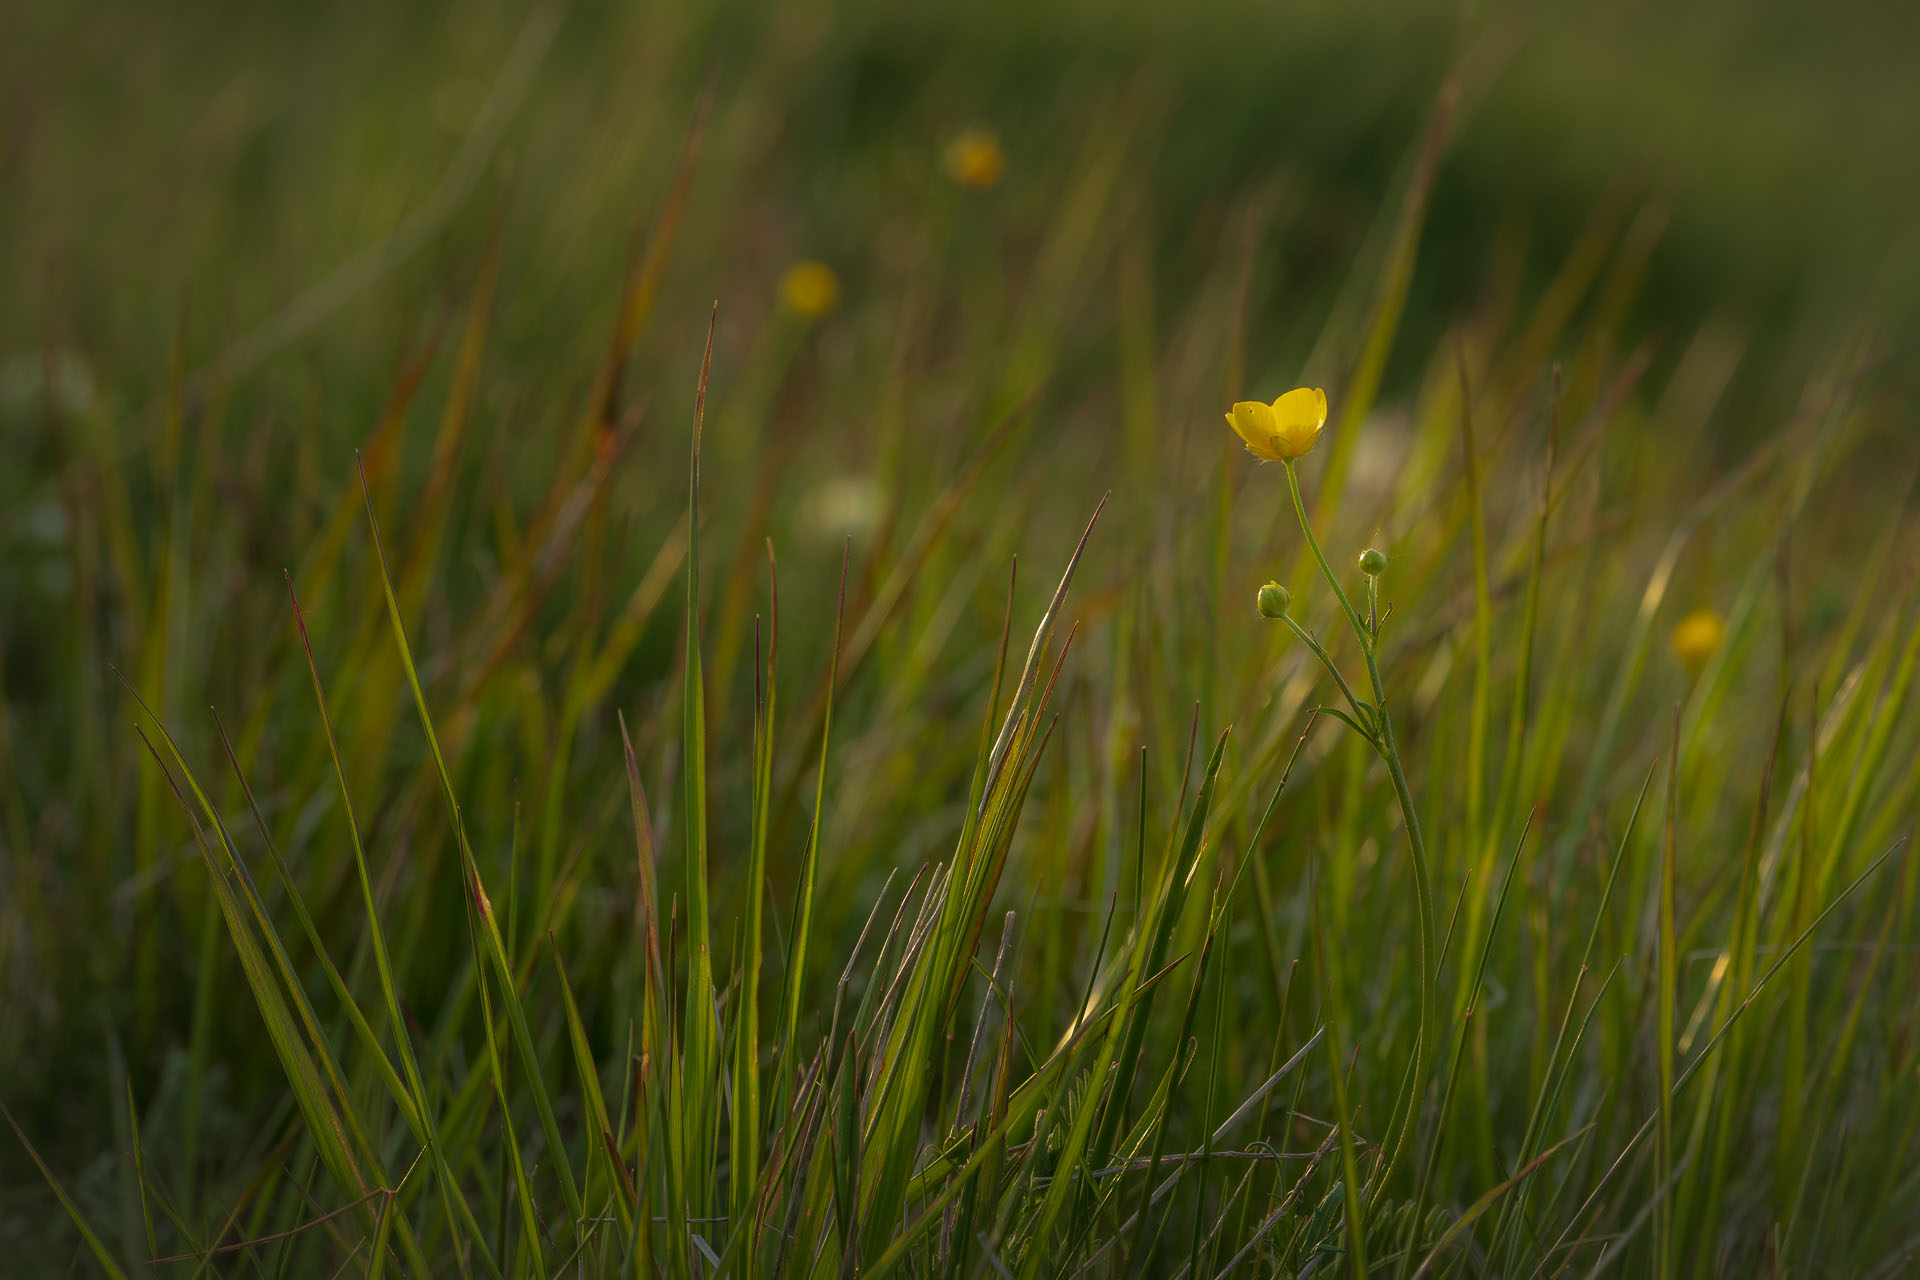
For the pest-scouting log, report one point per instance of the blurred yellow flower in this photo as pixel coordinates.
(1699, 634)
(1284, 429)
(975, 158)
(809, 289)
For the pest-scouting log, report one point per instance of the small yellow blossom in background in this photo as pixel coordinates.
(975, 158)
(1284, 429)
(809, 289)
(1697, 637)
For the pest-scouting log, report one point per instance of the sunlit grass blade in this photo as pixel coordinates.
(324, 1121)
(1668, 983)
(589, 1076)
(1485, 950)
(488, 941)
(1548, 1096)
(1784, 957)
(786, 1061)
(376, 940)
(700, 1035)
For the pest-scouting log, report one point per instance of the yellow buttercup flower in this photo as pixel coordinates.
(1698, 636)
(809, 289)
(1284, 429)
(975, 158)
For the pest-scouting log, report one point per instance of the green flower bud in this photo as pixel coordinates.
(1373, 562)
(1273, 601)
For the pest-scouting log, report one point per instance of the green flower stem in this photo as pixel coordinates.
(1416, 842)
(1361, 712)
(1326, 570)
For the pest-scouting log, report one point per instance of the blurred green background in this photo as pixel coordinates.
(284, 202)
(184, 170)
(268, 213)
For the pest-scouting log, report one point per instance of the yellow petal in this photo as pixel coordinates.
(1254, 423)
(1298, 417)
(1303, 406)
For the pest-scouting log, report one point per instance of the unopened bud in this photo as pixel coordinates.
(1273, 601)
(1373, 562)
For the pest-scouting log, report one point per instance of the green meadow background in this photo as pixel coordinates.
(1615, 308)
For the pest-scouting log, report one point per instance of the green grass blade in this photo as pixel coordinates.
(487, 929)
(87, 1233)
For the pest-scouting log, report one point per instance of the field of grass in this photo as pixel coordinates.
(647, 655)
